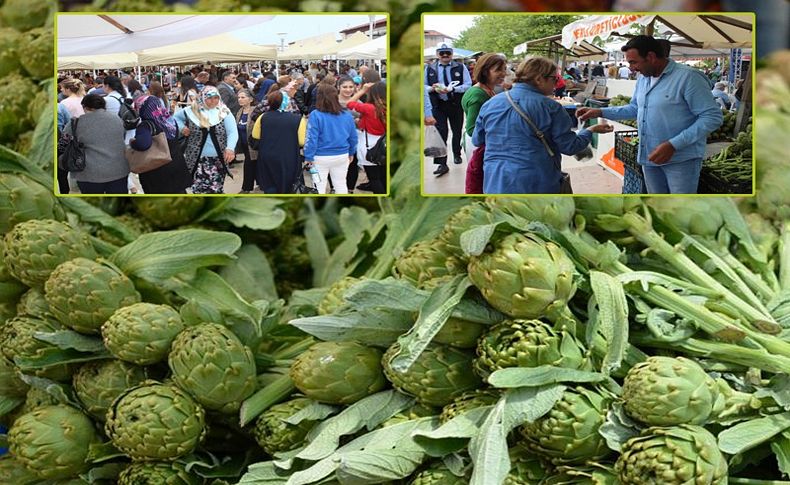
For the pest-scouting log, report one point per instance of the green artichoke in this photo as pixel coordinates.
(34, 304)
(16, 94)
(14, 472)
(11, 385)
(9, 51)
(677, 455)
(438, 474)
(26, 14)
(591, 207)
(467, 401)
(426, 263)
(34, 399)
(459, 333)
(18, 340)
(52, 441)
(141, 333)
(438, 376)
(338, 372)
(523, 276)
(526, 468)
(772, 198)
(33, 249)
(155, 421)
(527, 343)
(557, 212)
(83, 294)
(591, 475)
(147, 473)
(467, 217)
(274, 435)
(37, 46)
(98, 383)
(333, 298)
(667, 391)
(212, 364)
(22, 199)
(169, 212)
(698, 216)
(569, 432)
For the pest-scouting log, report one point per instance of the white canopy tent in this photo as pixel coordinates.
(354, 40)
(91, 34)
(105, 61)
(218, 48)
(373, 49)
(304, 48)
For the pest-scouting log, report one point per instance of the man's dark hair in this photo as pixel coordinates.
(93, 101)
(225, 74)
(644, 44)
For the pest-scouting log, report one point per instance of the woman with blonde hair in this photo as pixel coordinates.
(211, 134)
(75, 91)
(525, 132)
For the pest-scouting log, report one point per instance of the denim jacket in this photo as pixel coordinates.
(678, 108)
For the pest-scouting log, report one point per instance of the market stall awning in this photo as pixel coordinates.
(218, 48)
(355, 39)
(92, 34)
(546, 45)
(106, 61)
(373, 49)
(430, 53)
(306, 48)
(701, 31)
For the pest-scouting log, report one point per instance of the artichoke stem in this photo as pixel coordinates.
(784, 257)
(102, 247)
(293, 351)
(755, 282)
(265, 398)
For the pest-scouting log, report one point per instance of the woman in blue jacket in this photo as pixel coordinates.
(331, 139)
(516, 161)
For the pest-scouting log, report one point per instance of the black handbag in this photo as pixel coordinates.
(300, 187)
(71, 152)
(377, 153)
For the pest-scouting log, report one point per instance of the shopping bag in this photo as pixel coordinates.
(156, 156)
(435, 147)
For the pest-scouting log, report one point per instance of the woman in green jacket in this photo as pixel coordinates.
(490, 71)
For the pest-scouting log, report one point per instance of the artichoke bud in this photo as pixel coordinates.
(468, 401)
(526, 468)
(52, 441)
(33, 249)
(467, 217)
(338, 372)
(426, 263)
(34, 304)
(437, 474)
(459, 333)
(556, 212)
(169, 212)
(155, 422)
(83, 294)
(18, 340)
(672, 456)
(568, 433)
(11, 384)
(527, 343)
(141, 333)
(333, 299)
(274, 434)
(23, 199)
(98, 383)
(440, 374)
(522, 276)
(145, 473)
(210, 362)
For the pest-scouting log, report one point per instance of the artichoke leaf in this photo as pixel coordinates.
(781, 449)
(374, 327)
(91, 214)
(251, 274)
(368, 412)
(259, 214)
(69, 339)
(8, 404)
(158, 256)
(519, 377)
(54, 356)
(612, 318)
(315, 411)
(618, 427)
(453, 436)
(750, 434)
(433, 315)
(264, 473)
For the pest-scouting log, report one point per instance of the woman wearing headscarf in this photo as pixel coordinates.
(212, 135)
(281, 134)
(171, 178)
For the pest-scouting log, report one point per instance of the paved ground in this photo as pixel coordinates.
(587, 177)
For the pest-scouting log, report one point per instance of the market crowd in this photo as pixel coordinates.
(516, 130)
(277, 122)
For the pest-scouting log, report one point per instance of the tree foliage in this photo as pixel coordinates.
(501, 33)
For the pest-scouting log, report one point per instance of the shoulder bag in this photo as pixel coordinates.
(156, 156)
(565, 184)
(71, 152)
(376, 154)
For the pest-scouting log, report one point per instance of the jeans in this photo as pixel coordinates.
(674, 178)
(112, 187)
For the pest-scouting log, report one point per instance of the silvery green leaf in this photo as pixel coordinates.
(618, 427)
(516, 377)
(251, 274)
(752, 433)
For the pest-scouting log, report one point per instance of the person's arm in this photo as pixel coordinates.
(233, 134)
(256, 129)
(301, 135)
(64, 117)
(479, 133)
(705, 109)
(473, 110)
(362, 108)
(568, 142)
(627, 112)
(361, 92)
(181, 122)
(311, 140)
(352, 138)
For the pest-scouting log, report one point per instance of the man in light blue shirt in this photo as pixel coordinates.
(675, 112)
(720, 96)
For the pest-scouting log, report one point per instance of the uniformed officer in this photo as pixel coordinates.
(446, 100)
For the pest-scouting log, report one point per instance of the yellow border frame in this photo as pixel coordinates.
(294, 14)
(752, 66)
